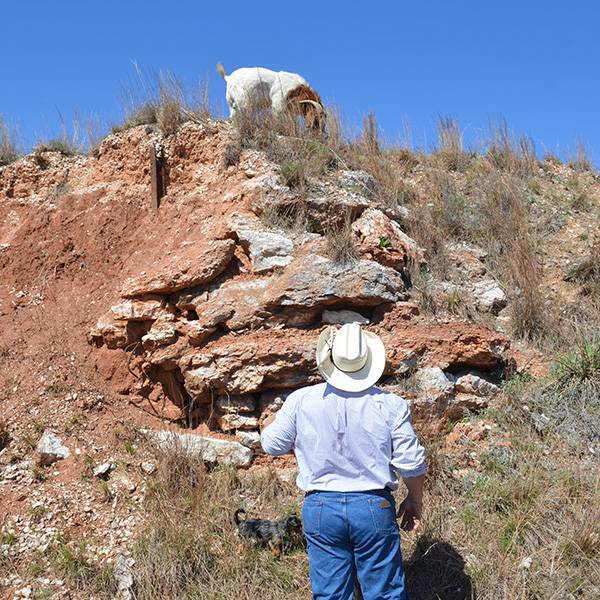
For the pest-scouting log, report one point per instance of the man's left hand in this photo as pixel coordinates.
(410, 510)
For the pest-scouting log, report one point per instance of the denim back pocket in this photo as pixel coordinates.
(311, 516)
(384, 515)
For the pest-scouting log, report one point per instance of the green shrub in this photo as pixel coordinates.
(579, 364)
(292, 174)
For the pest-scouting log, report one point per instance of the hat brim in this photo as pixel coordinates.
(356, 381)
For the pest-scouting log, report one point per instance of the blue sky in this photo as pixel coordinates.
(532, 63)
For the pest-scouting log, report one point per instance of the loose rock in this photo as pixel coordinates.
(489, 296)
(102, 471)
(50, 449)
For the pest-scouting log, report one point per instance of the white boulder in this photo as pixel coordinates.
(209, 449)
(50, 449)
(267, 249)
(489, 296)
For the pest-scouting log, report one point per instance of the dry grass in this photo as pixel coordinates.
(511, 154)
(62, 145)
(586, 272)
(581, 162)
(188, 548)
(341, 241)
(450, 153)
(8, 147)
(71, 561)
(162, 100)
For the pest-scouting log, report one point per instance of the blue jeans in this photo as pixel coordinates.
(349, 535)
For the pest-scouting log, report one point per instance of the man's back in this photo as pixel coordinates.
(346, 441)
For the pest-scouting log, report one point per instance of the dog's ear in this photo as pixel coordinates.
(238, 513)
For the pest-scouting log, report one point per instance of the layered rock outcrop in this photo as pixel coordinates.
(222, 323)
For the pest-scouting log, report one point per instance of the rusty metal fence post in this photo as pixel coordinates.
(157, 175)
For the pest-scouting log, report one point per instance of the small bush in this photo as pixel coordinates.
(145, 114)
(232, 153)
(62, 145)
(70, 560)
(579, 364)
(292, 174)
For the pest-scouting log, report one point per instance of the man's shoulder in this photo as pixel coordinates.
(394, 400)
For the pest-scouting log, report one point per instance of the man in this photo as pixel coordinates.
(350, 440)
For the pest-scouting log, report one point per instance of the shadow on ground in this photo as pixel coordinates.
(435, 571)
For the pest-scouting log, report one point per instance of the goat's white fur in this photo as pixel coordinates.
(257, 87)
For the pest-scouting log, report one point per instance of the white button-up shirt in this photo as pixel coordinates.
(344, 441)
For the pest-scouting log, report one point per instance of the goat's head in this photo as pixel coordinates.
(304, 101)
(314, 114)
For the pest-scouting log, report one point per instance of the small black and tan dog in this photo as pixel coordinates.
(280, 536)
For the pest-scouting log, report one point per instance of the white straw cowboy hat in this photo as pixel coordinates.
(350, 359)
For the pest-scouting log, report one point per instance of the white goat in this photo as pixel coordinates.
(256, 87)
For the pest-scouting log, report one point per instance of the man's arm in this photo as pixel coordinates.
(279, 430)
(408, 458)
(411, 508)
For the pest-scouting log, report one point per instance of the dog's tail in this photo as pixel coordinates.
(236, 515)
(221, 71)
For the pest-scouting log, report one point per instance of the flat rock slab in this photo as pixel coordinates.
(190, 266)
(314, 280)
(209, 449)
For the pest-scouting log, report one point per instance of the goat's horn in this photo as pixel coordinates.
(315, 104)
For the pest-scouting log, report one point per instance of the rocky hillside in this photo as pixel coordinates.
(122, 325)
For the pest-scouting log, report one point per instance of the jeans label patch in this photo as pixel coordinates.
(384, 504)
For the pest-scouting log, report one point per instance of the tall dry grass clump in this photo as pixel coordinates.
(511, 154)
(450, 152)
(341, 241)
(581, 161)
(502, 228)
(8, 147)
(163, 100)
